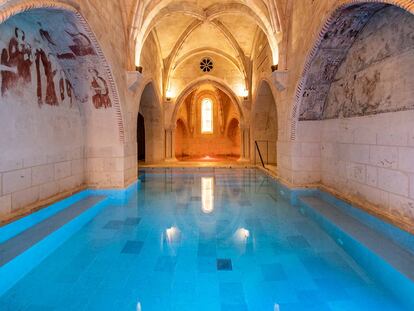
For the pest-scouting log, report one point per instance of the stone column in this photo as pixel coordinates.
(244, 142)
(170, 144)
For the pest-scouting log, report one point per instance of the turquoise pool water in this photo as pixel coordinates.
(209, 239)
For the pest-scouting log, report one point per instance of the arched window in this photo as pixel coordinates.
(207, 116)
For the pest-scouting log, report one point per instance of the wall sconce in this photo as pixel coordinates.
(168, 95)
(275, 67)
(138, 68)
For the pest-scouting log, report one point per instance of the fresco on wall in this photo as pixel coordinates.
(331, 52)
(47, 53)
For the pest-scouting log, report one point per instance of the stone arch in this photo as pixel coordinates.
(314, 83)
(264, 122)
(219, 83)
(150, 108)
(26, 6)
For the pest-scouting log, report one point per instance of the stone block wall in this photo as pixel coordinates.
(25, 182)
(372, 159)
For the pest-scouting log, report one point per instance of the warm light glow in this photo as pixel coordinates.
(137, 57)
(207, 116)
(169, 94)
(246, 93)
(207, 194)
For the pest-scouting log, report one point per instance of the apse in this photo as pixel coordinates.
(207, 127)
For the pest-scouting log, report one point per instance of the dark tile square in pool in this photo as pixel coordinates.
(132, 221)
(195, 199)
(132, 247)
(298, 241)
(114, 225)
(224, 265)
(165, 264)
(273, 272)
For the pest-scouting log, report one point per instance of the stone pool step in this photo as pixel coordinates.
(17, 245)
(385, 260)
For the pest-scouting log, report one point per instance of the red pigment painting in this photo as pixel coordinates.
(100, 87)
(16, 62)
(52, 84)
(44, 65)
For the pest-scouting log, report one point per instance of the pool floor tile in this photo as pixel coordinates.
(232, 293)
(224, 265)
(273, 272)
(298, 241)
(132, 221)
(132, 247)
(114, 225)
(165, 264)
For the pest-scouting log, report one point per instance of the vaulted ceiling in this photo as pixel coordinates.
(227, 28)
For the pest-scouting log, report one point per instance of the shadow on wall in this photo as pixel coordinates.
(152, 130)
(264, 126)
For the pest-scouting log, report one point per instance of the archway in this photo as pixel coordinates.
(207, 126)
(264, 127)
(354, 107)
(141, 138)
(151, 128)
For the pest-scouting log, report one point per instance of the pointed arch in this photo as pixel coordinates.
(316, 78)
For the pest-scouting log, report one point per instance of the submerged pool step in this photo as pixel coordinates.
(19, 254)
(20, 243)
(385, 260)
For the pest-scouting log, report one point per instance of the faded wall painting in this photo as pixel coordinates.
(331, 52)
(48, 52)
(377, 74)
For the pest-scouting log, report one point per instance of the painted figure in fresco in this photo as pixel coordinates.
(44, 62)
(82, 45)
(16, 61)
(44, 34)
(100, 87)
(65, 87)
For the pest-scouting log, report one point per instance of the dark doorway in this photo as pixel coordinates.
(141, 137)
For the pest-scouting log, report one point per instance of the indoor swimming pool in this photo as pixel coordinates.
(191, 239)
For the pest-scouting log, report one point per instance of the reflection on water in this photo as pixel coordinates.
(207, 194)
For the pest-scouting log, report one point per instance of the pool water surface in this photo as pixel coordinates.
(208, 239)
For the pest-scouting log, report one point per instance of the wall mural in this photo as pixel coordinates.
(331, 52)
(45, 52)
